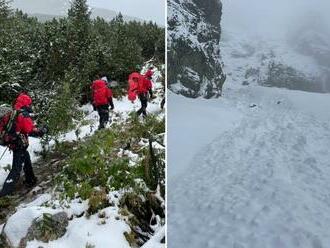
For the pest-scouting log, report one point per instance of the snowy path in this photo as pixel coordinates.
(264, 183)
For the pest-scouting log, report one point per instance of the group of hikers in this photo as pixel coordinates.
(17, 125)
(139, 86)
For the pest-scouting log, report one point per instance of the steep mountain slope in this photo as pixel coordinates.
(251, 169)
(194, 67)
(287, 50)
(274, 63)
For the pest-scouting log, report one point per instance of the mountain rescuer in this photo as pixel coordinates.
(102, 98)
(139, 86)
(15, 128)
(143, 87)
(148, 75)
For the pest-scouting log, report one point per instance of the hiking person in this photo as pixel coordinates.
(143, 87)
(148, 75)
(139, 87)
(162, 104)
(102, 98)
(15, 129)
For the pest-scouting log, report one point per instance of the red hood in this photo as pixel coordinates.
(22, 100)
(98, 84)
(134, 75)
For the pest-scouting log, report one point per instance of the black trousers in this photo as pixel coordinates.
(162, 103)
(144, 104)
(20, 157)
(103, 112)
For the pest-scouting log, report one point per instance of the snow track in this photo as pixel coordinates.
(262, 184)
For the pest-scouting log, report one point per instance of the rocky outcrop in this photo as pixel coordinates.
(45, 228)
(48, 228)
(194, 63)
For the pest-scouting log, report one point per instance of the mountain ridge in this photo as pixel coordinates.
(47, 10)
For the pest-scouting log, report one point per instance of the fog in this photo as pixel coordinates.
(275, 18)
(153, 10)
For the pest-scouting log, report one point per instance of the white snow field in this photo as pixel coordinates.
(259, 177)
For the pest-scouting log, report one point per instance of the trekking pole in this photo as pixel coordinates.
(3, 154)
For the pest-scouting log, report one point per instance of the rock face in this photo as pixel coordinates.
(194, 63)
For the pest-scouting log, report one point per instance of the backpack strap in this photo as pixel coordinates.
(11, 124)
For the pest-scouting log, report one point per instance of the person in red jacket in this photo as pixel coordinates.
(23, 126)
(143, 87)
(102, 98)
(148, 75)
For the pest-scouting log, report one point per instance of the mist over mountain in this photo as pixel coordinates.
(48, 9)
(285, 44)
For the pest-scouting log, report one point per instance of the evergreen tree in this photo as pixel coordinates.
(79, 29)
(57, 60)
(4, 10)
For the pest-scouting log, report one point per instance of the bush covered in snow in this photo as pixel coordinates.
(43, 57)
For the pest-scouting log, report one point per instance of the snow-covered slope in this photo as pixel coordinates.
(274, 62)
(260, 182)
(263, 43)
(251, 169)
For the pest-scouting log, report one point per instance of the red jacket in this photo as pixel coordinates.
(23, 100)
(102, 95)
(24, 123)
(132, 87)
(134, 75)
(149, 74)
(144, 85)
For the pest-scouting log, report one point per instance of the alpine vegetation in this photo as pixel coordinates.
(82, 147)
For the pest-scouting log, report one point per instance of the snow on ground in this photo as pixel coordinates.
(94, 231)
(242, 52)
(195, 121)
(262, 182)
(155, 241)
(18, 224)
(122, 107)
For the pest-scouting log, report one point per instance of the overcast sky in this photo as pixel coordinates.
(145, 9)
(273, 17)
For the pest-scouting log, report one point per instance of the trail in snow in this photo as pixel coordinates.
(99, 235)
(263, 183)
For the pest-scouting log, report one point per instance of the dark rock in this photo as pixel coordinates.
(194, 64)
(142, 211)
(3, 241)
(48, 228)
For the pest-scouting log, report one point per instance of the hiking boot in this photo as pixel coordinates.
(31, 183)
(2, 194)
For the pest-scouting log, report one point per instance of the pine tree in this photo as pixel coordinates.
(79, 30)
(4, 10)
